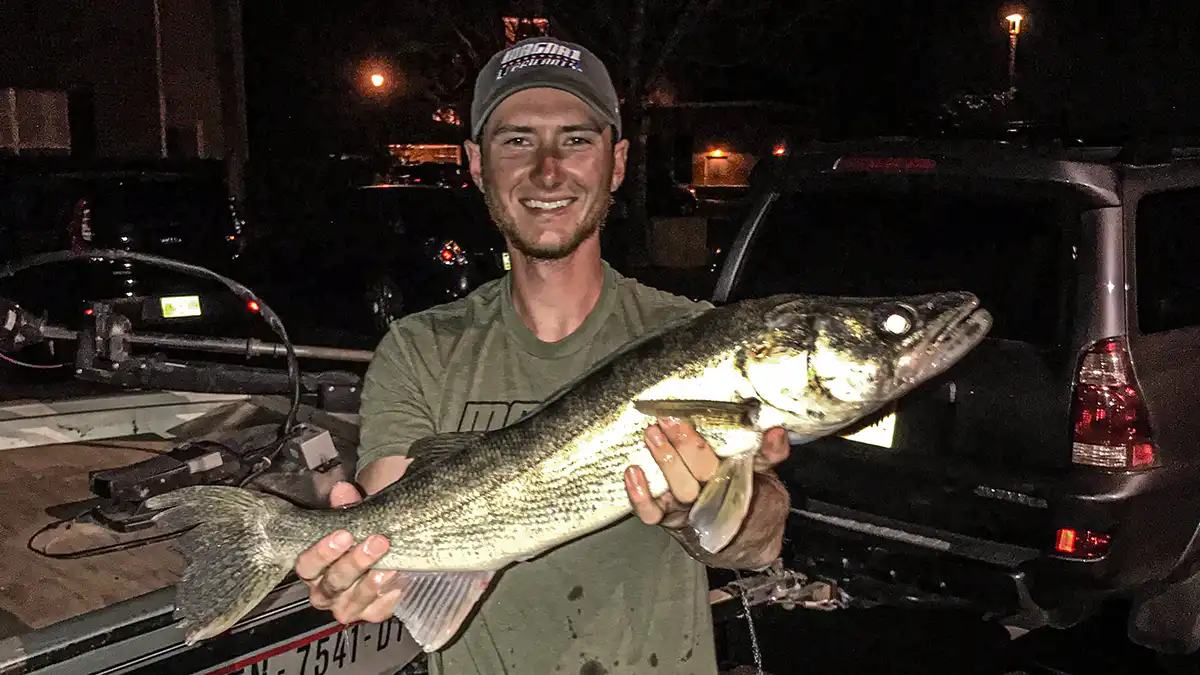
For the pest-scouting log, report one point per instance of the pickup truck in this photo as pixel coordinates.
(1056, 466)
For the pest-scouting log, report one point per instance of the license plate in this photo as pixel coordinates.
(180, 306)
(357, 649)
(881, 433)
(507, 260)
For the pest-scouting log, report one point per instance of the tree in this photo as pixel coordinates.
(650, 46)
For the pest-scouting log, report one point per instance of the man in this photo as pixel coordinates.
(546, 151)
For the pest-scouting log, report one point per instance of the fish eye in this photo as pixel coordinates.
(898, 320)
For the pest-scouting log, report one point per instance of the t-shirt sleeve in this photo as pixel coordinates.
(394, 410)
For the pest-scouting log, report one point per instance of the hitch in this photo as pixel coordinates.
(779, 585)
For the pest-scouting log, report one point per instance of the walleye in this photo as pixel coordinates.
(473, 503)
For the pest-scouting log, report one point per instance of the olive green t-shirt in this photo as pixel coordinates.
(627, 599)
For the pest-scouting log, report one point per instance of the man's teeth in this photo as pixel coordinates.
(538, 204)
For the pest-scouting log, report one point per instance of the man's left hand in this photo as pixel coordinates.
(688, 462)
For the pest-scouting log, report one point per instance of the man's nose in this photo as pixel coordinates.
(548, 172)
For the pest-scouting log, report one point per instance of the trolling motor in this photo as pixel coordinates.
(105, 353)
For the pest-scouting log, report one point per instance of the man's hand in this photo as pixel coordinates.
(339, 574)
(688, 462)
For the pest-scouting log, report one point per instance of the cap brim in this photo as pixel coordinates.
(570, 81)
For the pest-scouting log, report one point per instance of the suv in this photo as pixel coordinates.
(1058, 464)
(179, 210)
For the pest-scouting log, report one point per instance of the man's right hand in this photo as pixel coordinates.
(339, 575)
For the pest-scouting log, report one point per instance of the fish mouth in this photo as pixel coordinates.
(961, 330)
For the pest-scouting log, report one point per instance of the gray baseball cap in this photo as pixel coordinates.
(544, 62)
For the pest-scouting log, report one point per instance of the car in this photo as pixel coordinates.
(371, 254)
(179, 210)
(1057, 466)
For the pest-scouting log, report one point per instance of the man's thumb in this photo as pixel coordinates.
(343, 493)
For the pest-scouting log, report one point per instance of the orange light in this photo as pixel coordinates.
(252, 306)
(1066, 541)
(376, 80)
(1014, 23)
(780, 150)
(717, 153)
(1085, 544)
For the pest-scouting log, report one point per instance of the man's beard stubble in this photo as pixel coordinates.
(591, 223)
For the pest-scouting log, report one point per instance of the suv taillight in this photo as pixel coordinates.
(1111, 428)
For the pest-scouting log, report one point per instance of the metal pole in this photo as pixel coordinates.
(158, 73)
(14, 122)
(1012, 64)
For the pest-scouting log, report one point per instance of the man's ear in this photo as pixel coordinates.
(475, 162)
(620, 156)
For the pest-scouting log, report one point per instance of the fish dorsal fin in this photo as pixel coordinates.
(706, 413)
(434, 605)
(433, 449)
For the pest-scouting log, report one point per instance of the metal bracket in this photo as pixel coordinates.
(779, 585)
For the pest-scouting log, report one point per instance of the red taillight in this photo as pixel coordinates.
(89, 311)
(451, 253)
(252, 306)
(1111, 427)
(1086, 544)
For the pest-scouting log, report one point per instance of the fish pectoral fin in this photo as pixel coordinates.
(718, 512)
(434, 605)
(707, 413)
(432, 449)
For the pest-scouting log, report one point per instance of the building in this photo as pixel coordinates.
(124, 79)
(716, 144)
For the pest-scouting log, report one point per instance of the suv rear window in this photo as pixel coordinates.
(1168, 228)
(1011, 251)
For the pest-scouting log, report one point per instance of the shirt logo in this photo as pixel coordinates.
(539, 54)
(492, 415)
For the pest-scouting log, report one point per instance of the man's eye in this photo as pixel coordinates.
(579, 140)
(517, 141)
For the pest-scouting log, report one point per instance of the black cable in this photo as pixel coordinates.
(247, 295)
(97, 550)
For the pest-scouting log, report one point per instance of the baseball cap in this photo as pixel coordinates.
(544, 62)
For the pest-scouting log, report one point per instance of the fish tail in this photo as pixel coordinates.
(243, 545)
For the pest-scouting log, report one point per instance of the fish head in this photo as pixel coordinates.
(828, 361)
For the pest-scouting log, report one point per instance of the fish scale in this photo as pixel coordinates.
(473, 503)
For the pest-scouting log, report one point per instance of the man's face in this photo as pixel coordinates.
(547, 166)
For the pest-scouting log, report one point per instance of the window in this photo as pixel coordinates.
(1010, 251)
(1168, 260)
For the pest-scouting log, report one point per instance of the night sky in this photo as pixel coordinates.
(860, 66)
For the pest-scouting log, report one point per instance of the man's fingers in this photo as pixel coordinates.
(639, 495)
(695, 452)
(343, 494)
(383, 607)
(775, 449)
(365, 592)
(340, 575)
(683, 484)
(312, 563)
(318, 599)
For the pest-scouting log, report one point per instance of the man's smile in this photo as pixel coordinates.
(546, 206)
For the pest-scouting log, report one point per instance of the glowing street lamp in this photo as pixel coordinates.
(1014, 30)
(377, 80)
(1014, 23)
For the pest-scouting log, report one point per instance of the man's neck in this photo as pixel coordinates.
(554, 297)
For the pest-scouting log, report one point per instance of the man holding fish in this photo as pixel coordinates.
(546, 151)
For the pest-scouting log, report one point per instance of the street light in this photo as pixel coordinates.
(376, 80)
(1014, 23)
(1014, 30)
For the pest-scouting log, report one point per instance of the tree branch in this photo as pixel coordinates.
(688, 20)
